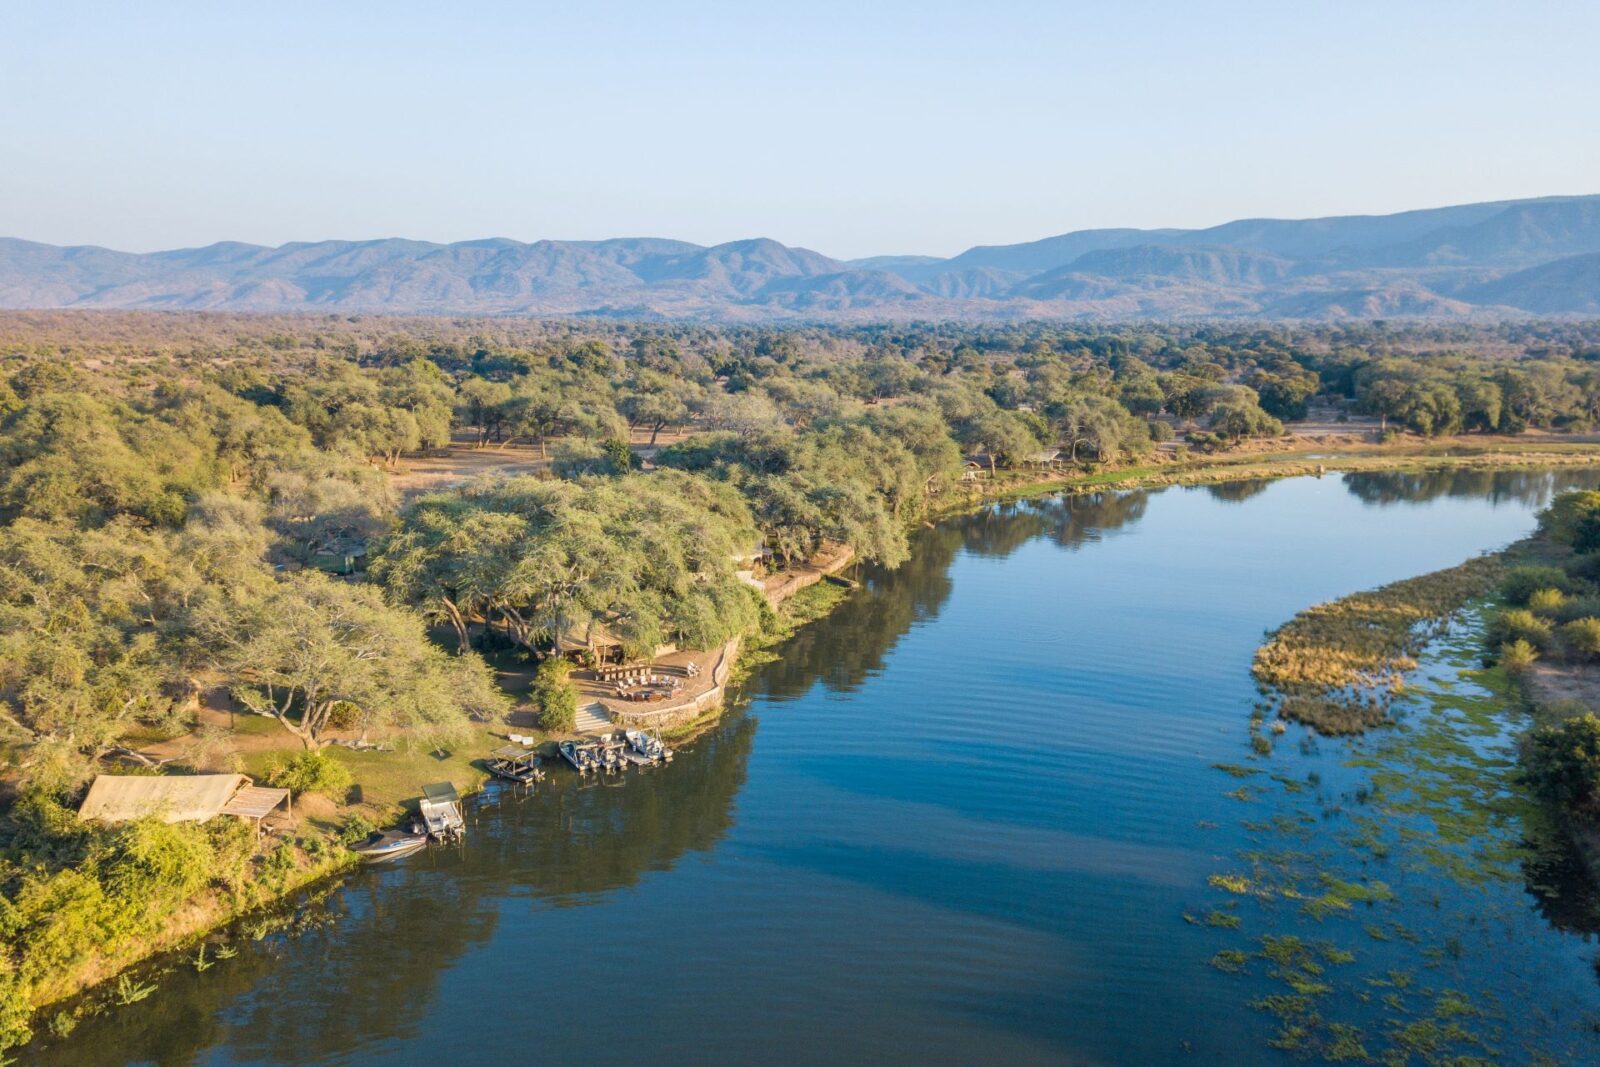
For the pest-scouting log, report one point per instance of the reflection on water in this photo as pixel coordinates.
(1531, 489)
(959, 820)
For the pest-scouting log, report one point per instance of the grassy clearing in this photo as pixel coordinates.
(1335, 667)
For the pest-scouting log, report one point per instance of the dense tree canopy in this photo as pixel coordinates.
(651, 559)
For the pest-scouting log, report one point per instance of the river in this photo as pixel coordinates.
(977, 815)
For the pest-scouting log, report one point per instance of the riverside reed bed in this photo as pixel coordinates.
(1335, 666)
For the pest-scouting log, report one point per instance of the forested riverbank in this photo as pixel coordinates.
(182, 498)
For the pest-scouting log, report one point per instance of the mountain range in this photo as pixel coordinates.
(1512, 257)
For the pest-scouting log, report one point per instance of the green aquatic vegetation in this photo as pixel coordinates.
(1230, 960)
(1232, 883)
(1433, 1041)
(1451, 1004)
(1241, 794)
(1222, 919)
(1332, 953)
(1344, 1045)
(1437, 795)
(1291, 1038)
(128, 990)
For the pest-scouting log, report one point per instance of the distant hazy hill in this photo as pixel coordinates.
(1518, 256)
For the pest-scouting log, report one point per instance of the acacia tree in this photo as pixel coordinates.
(654, 400)
(313, 652)
(82, 653)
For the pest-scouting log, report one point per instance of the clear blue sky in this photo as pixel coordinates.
(852, 128)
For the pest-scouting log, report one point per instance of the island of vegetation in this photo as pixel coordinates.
(343, 555)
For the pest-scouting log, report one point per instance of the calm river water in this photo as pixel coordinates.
(976, 815)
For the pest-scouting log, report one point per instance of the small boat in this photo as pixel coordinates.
(516, 764)
(440, 807)
(611, 757)
(385, 845)
(646, 748)
(582, 757)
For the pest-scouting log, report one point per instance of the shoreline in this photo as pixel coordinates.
(749, 651)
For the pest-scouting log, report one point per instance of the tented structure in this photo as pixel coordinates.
(178, 797)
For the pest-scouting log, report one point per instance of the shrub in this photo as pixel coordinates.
(1576, 607)
(15, 1013)
(1546, 601)
(1583, 568)
(1160, 430)
(356, 828)
(154, 860)
(1518, 656)
(1522, 582)
(1520, 624)
(311, 772)
(556, 696)
(558, 709)
(1582, 637)
(1562, 765)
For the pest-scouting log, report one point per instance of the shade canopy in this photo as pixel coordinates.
(255, 802)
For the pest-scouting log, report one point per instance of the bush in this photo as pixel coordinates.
(356, 829)
(1576, 607)
(1160, 430)
(1562, 765)
(1582, 637)
(556, 696)
(1521, 583)
(558, 710)
(1520, 624)
(1518, 656)
(15, 1013)
(1546, 601)
(1574, 519)
(311, 772)
(1583, 568)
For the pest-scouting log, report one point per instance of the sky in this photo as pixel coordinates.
(854, 129)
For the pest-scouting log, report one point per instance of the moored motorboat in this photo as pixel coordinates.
(648, 748)
(582, 757)
(440, 807)
(516, 764)
(384, 845)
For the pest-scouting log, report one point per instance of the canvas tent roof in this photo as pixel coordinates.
(175, 798)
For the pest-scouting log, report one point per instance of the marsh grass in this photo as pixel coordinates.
(1336, 667)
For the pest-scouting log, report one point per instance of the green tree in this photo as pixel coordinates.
(312, 646)
(1562, 765)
